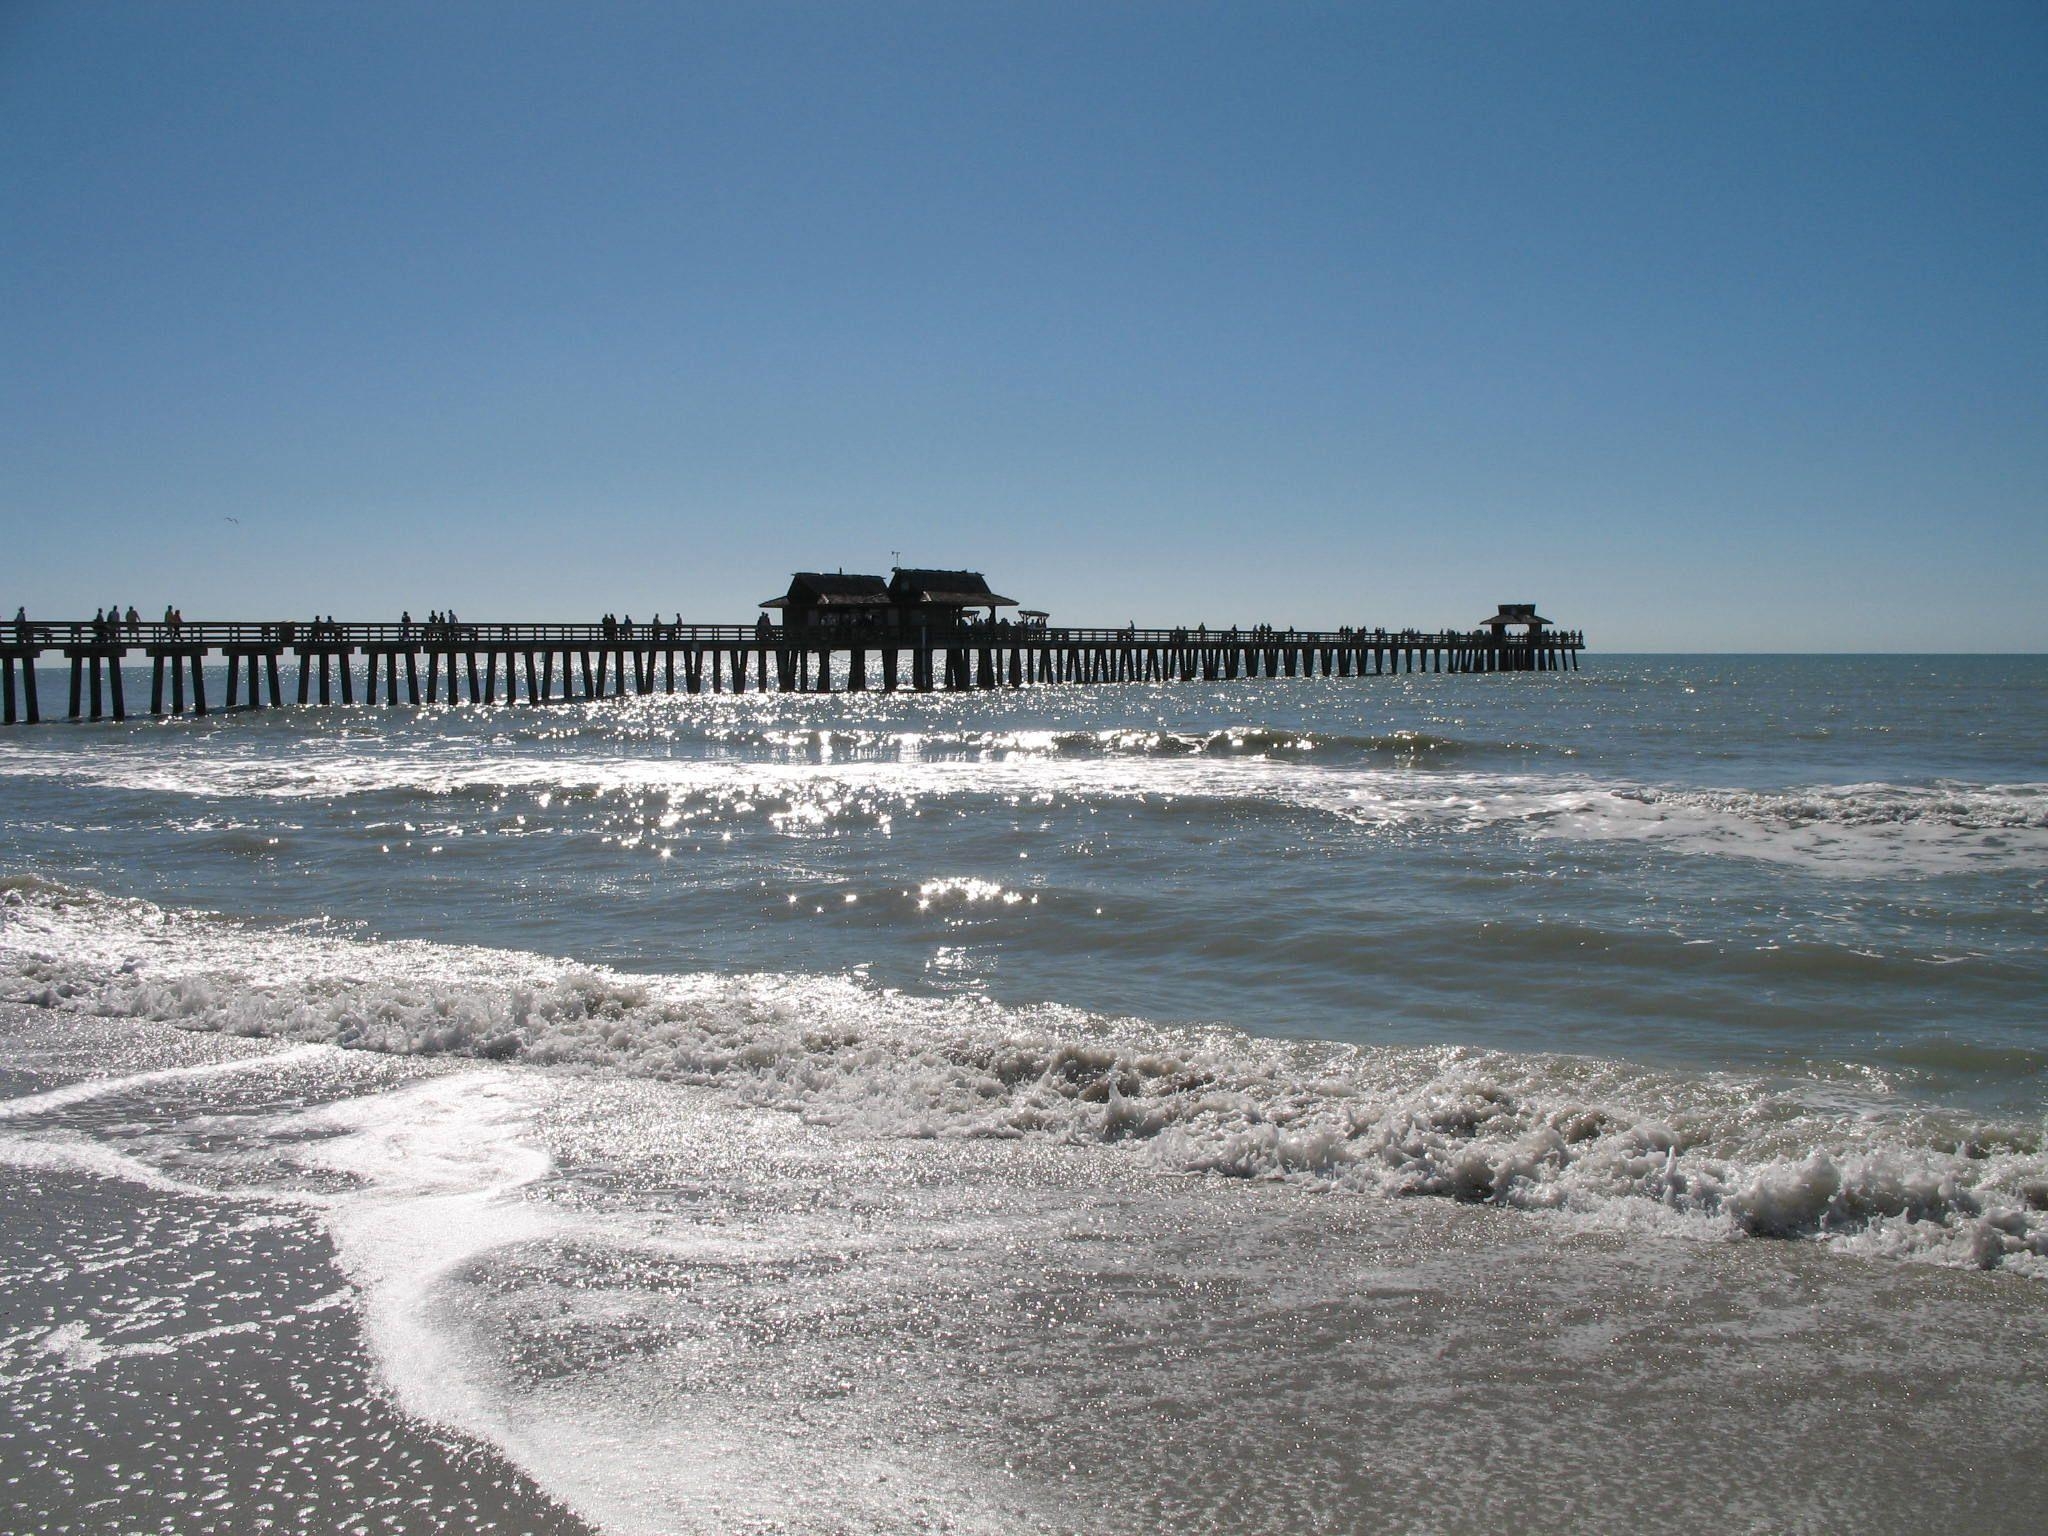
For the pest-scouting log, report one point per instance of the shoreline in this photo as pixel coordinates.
(203, 1350)
(707, 1318)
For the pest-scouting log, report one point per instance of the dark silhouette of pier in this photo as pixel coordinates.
(269, 663)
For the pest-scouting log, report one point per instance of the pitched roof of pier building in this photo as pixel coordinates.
(820, 589)
(944, 589)
(1515, 613)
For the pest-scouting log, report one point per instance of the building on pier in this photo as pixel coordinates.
(941, 599)
(1521, 616)
(817, 601)
(911, 600)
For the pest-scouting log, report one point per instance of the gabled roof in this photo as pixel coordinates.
(948, 589)
(834, 589)
(1515, 613)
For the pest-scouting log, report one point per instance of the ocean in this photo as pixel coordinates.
(1608, 1100)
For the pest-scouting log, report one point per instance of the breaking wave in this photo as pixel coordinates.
(1594, 1142)
(1403, 781)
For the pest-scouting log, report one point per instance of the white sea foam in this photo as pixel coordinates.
(436, 1169)
(55, 1099)
(80, 1351)
(439, 1172)
(1714, 1155)
(68, 1153)
(427, 1187)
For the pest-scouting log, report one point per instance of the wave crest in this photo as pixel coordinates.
(1598, 1142)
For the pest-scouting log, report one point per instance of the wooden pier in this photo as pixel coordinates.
(415, 664)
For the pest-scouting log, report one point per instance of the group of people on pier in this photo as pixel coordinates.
(438, 625)
(1181, 634)
(106, 624)
(1359, 632)
(1004, 626)
(612, 627)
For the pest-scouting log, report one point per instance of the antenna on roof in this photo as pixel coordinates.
(895, 559)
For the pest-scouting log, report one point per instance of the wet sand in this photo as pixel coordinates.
(187, 1363)
(219, 1316)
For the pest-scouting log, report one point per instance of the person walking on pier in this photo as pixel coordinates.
(134, 623)
(21, 625)
(405, 625)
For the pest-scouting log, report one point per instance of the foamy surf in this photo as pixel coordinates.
(1589, 1142)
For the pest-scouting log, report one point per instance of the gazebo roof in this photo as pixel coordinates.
(1515, 613)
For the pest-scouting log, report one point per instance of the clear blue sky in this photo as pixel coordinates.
(1717, 326)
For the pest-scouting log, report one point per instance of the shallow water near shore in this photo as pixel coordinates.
(999, 1111)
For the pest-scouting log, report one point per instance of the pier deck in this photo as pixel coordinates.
(557, 663)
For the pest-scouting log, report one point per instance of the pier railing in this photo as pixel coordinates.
(211, 634)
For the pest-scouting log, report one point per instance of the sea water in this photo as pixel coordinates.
(1609, 1099)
